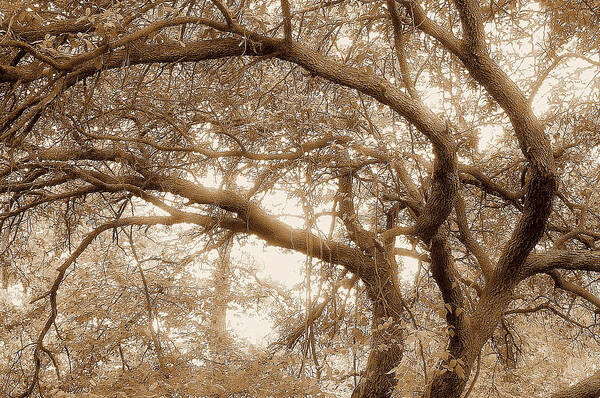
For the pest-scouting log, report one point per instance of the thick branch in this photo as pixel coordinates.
(144, 54)
(429, 27)
(287, 19)
(562, 283)
(583, 260)
(257, 221)
(472, 24)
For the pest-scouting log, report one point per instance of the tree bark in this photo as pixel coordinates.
(387, 340)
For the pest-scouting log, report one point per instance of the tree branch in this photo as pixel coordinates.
(583, 260)
(543, 75)
(221, 7)
(399, 44)
(562, 283)
(468, 240)
(149, 310)
(252, 219)
(287, 20)
(52, 293)
(429, 27)
(472, 24)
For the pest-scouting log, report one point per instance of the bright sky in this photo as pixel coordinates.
(286, 269)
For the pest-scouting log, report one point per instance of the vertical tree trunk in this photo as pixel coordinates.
(387, 341)
(222, 285)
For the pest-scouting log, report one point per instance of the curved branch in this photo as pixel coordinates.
(561, 283)
(545, 306)
(429, 27)
(529, 131)
(444, 174)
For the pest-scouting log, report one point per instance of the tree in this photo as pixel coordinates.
(117, 115)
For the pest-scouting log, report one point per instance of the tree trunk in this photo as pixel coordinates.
(222, 283)
(387, 341)
(446, 385)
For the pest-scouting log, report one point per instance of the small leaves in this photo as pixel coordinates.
(117, 111)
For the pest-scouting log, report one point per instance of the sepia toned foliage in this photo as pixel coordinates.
(434, 164)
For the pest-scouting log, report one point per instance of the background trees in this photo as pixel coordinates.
(141, 139)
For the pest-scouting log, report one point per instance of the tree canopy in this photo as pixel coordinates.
(150, 147)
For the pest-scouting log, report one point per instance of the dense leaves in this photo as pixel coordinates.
(428, 171)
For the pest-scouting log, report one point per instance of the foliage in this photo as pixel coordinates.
(435, 166)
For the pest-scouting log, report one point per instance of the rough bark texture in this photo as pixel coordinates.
(387, 340)
(367, 252)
